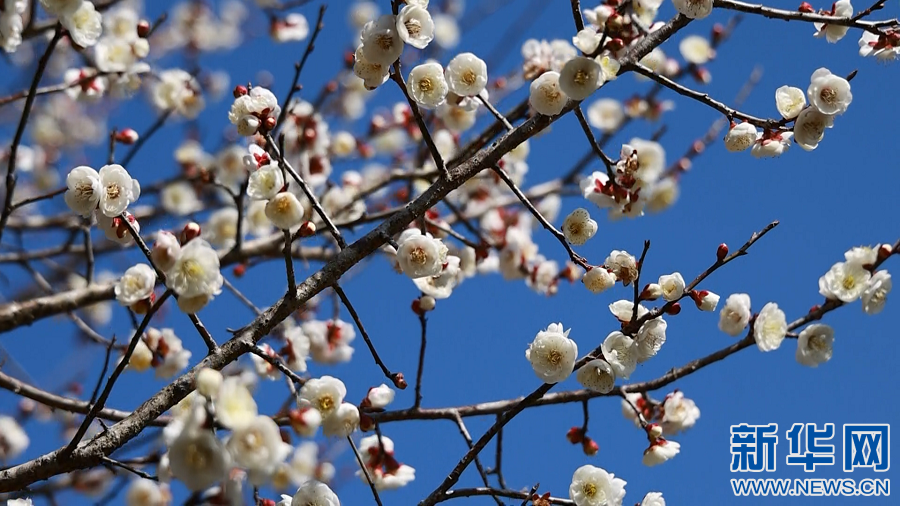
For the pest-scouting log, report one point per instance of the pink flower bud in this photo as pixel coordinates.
(721, 252)
(127, 136)
(191, 231)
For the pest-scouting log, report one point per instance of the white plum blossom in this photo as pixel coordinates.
(580, 77)
(117, 190)
(623, 265)
(180, 199)
(381, 42)
(85, 24)
(653, 499)
(379, 397)
(258, 448)
(178, 91)
(466, 75)
(314, 493)
(672, 286)
(441, 286)
(606, 114)
(587, 40)
(166, 344)
(809, 128)
(144, 492)
(373, 74)
(426, 85)
(83, 190)
(875, 295)
(771, 144)
(597, 375)
(415, 26)
(594, 486)
(325, 394)
(789, 101)
(420, 255)
(13, 439)
(552, 354)
(293, 27)
(660, 451)
(621, 352)
(696, 49)
(735, 316)
(845, 281)
(285, 211)
(198, 459)
(680, 413)
(694, 9)
(598, 280)
(828, 93)
(863, 255)
(623, 309)
(235, 407)
(383, 469)
(60, 7)
(135, 285)
(741, 137)
(166, 250)
(815, 345)
(265, 182)
(706, 300)
(834, 33)
(208, 382)
(343, 422)
(650, 339)
(578, 227)
(257, 108)
(880, 46)
(196, 271)
(546, 96)
(330, 341)
(770, 327)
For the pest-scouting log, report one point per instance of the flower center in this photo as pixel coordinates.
(589, 489)
(418, 256)
(325, 404)
(425, 85)
(848, 282)
(828, 95)
(191, 268)
(112, 191)
(384, 41)
(817, 343)
(575, 228)
(196, 456)
(469, 77)
(554, 357)
(84, 190)
(581, 77)
(283, 205)
(551, 93)
(413, 27)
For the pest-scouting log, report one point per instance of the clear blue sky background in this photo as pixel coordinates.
(836, 197)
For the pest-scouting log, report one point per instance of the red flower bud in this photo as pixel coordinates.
(721, 252)
(589, 447)
(239, 91)
(575, 435)
(191, 231)
(239, 270)
(399, 380)
(806, 7)
(674, 309)
(143, 28)
(127, 136)
(307, 229)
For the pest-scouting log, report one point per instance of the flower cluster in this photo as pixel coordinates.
(191, 269)
(829, 96)
(254, 111)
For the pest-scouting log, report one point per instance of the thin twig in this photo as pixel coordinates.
(298, 67)
(394, 377)
(365, 471)
(426, 136)
(421, 367)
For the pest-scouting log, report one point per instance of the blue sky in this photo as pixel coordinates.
(827, 201)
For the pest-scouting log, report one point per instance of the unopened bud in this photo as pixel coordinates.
(208, 382)
(721, 252)
(575, 435)
(718, 32)
(806, 7)
(239, 270)
(127, 136)
(651, 292)
(705, 300)
(270, 122)
(143, 306)
(239, 91)
(143, 28)
(267, 502)
(366, 422)
(416, 307)
(674, 309)
(190, 232)
(654, 431)
(884, 251)
(307, 229)
(426, 303)
(399, 380)
(590, 447)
